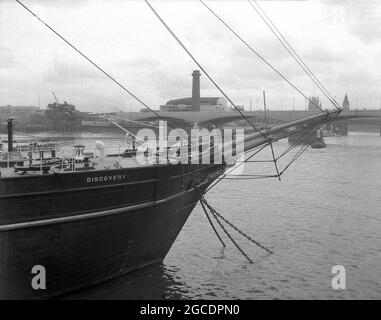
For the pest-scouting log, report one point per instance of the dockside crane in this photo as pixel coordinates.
(55, 98)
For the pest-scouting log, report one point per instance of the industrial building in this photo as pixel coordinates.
(196, 103)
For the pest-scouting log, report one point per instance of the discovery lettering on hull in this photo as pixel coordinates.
(105, 178)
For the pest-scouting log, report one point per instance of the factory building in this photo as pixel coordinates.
(196, 103)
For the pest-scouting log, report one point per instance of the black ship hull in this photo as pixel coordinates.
(88, 227)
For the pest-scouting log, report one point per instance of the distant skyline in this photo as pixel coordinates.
(338, 40)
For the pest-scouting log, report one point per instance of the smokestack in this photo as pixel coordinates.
(10, 134)
(196, 90)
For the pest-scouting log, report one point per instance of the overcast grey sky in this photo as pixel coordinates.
(339, 40)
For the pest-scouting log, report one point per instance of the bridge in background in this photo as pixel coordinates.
(188, 119)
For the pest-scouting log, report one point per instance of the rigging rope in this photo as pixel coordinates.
(251, 177)
(236, 167)
(128, 120)
(200, 66)
(274, 159)
(211, 79)
(93, 63)
(309, 138)
(218, 217)
(301, 140)
(262, 14)
(260, 56)
(300, 152)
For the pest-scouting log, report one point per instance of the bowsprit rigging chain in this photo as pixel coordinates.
(219, 219)
(234, 227)
(212, 225)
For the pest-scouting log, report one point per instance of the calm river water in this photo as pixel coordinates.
(326, 211)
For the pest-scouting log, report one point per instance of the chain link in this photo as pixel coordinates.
(213, 211)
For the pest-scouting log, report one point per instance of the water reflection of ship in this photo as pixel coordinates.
(154, 282)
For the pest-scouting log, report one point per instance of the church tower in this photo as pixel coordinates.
(345, 105)
(313, 104)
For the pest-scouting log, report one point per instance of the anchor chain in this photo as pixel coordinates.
(214, 212)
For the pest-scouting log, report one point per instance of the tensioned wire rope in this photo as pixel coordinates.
(266, 19)
(259, 55)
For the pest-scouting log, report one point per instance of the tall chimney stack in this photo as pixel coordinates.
(10, 134)
(196, 90)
